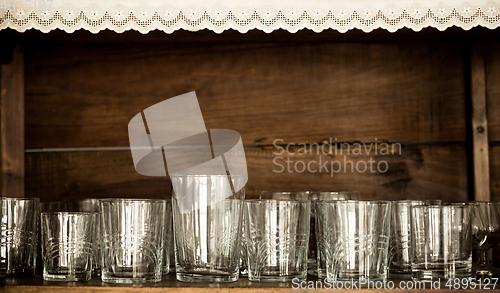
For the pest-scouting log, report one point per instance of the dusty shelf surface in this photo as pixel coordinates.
(36, 284)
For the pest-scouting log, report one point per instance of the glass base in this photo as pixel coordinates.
(112, 278)
(67, 278)
(400, 275)
(199, 278)
(165, 270)
(321, 273)
(267, 278)
(435, 275)
(18, 272)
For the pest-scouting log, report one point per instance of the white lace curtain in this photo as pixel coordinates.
(218, 15)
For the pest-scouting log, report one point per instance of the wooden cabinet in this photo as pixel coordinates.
(435, 95)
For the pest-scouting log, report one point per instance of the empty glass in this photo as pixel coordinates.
(207, 227)
(277, 233)
(490, 213)
(88, 205)
(441, 239)
(300, 195)
(168, 239)
(19, 218)
(399, 247)
(356, 237)
(132, 239)
(67, 246)
(317, 266)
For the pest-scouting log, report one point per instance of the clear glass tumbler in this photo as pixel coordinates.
(298, 195)
(317, 267)
(277, 233)
(208, 220)
(67, 245)
(441, 239)
(132, 240)
(88, 205)
(168, 239)
(399, 247)
(19, 218)
(356, 239)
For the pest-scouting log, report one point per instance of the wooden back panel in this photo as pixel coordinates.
(82, 95)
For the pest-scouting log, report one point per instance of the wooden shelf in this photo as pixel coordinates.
(170, 284)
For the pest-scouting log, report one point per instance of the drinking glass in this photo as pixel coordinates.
(132, 239)
(168, 239)
(399, 245)
(19, 218)
(67, 245)
(277, 233)
(490, 212)
(317, 266)
(356, 237)
(207, 219)
(88, 205)
(441, 239)
(300, 195)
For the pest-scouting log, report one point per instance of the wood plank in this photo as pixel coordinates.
(495, 171)
(479, 125)
(420, 172)
(84, 95)
(12, 125)
(492, 69)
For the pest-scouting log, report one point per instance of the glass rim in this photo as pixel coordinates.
(68, 213)
(207, 175)
(435, 206)
(333, 191)
(276, 200)
(345, 201)
(413, 201)
(486, 202)
(20, 198)
(285, 192)
(138, 200)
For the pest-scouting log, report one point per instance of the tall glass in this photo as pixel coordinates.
(441, 239)
(317, 266)
(88, 205)
(399, 247)
(19, 218)
(277, 233)
(356, 239)
(208, 220)
(132, 239)
(67, 245)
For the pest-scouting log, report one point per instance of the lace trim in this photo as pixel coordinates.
(242, 22)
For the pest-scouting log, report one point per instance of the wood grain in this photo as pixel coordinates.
(420, 172)
(495, 171)
(84, 95)
(12, 125)
(492, 69)
(479, 125)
